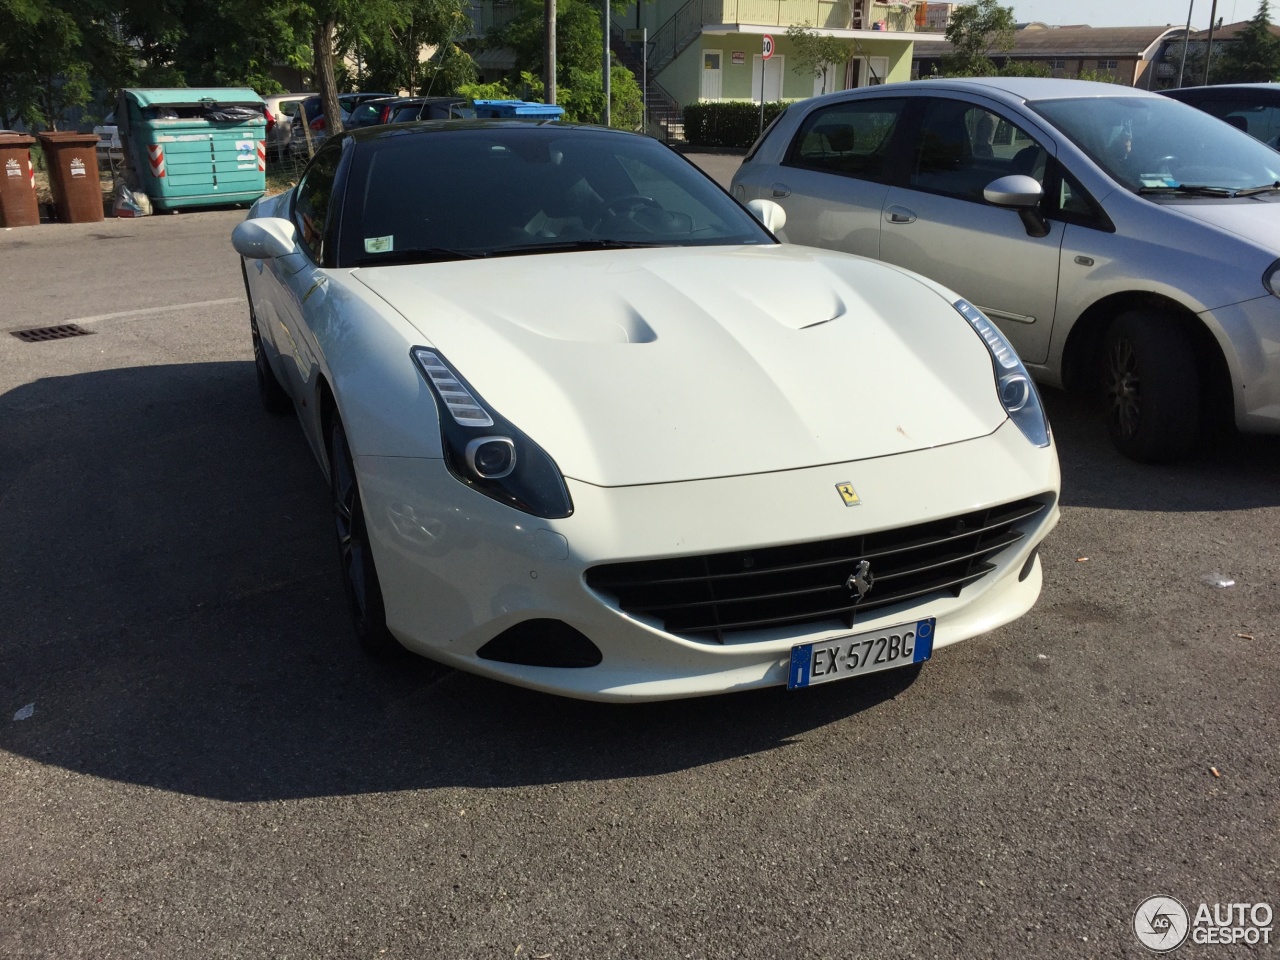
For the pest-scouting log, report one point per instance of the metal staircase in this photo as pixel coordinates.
(663, 115)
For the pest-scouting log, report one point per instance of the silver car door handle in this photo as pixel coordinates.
(781, 190)
(897, 214)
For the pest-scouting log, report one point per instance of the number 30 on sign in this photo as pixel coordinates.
(768, 47)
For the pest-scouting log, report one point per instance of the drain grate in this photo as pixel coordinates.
(60, 332)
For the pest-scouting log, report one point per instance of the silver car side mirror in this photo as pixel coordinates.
(264, 238)
(768, 213)
(1023, 194)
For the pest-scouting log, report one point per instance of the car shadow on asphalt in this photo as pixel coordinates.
(1226, 471)
(173, 611)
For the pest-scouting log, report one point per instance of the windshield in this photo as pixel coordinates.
(1157, 145)
(474, 189)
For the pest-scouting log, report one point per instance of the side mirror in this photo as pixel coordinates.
(264, 238)
(768, 213)
(1021, 193)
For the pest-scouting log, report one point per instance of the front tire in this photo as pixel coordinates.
(1152, 386)
(359, 575)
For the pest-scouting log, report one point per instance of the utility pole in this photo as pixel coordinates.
(608, 112)
(1208, 53)
(1186, 42)
(550, 80)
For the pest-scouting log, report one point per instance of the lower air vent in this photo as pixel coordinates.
(714, 596)
(542, 643)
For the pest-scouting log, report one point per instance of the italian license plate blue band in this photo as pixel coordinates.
(838, 658)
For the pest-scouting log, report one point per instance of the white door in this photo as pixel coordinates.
(868, 71)
(772, 78)
(712, 62)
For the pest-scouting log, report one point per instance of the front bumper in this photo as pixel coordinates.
(1249, 333)
(457, 568)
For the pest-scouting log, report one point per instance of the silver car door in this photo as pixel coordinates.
(834, 176)
(940, 225)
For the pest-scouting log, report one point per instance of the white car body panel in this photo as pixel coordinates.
(754, 376)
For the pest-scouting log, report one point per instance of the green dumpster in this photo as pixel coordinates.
(194, 147)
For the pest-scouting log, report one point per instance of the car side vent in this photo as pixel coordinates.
(542, 643)
(60, 332)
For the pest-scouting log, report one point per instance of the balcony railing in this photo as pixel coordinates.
(831, 14)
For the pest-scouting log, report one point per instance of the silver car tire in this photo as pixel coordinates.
(1152, 386)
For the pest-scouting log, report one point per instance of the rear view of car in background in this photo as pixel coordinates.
(312, 109)
(1251, 107)
(281, 109)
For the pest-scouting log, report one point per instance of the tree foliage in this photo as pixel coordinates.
(975, 31)
(579, 61)
(1254, 55)
(812, 52)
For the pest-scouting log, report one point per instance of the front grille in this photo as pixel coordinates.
(716, 595)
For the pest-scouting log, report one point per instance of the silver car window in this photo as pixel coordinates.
(850, 138)
(962, 147)
(1154, 143)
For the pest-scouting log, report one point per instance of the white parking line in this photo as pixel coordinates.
(150, 311)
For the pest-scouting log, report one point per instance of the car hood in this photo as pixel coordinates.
(1256, 219)
(652, 366)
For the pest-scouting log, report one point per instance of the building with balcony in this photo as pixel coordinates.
(710, 50)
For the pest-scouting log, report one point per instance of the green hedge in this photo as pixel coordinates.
(726, 124)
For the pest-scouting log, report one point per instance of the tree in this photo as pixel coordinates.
(813, 52)
(579, 39)
(976, 29)
(1254, 55)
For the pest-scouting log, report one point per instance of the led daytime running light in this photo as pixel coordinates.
(462, 406)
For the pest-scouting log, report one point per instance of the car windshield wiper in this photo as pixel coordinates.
(418, 255)
(1254, 191)
(1189, 190)
(563, 246)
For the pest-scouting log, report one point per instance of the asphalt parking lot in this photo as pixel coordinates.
(210, 768)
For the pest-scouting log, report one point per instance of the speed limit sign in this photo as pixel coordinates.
(768, 47)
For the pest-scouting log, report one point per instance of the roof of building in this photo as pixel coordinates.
(1228, 32)
(1041, 41)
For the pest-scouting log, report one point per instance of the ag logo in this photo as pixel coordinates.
(1161, 923)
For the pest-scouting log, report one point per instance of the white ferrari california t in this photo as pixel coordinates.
(589, 428)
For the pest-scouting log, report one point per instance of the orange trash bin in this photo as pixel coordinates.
(18, 206)
(72, 159)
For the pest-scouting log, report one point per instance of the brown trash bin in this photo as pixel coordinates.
(72, 159)
(18, 207)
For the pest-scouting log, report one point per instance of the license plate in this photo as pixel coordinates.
(861, 653)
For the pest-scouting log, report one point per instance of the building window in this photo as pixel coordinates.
(1106, 64)
(1057, 64)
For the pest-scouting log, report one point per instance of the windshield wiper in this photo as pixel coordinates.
(417, 255)
(1254, 191)
(563, 246)
(1189, 190)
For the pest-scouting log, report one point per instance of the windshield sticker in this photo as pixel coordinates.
(377, 244)
(1157, 180)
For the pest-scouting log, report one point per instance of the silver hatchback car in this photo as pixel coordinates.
(1117, 237)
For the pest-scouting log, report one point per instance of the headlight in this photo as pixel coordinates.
(1017, 393)
(1271, 279)
(485, 451)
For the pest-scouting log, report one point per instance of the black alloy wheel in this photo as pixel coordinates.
(1152, 386)
(359, 576)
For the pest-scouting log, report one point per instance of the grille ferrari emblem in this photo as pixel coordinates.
(861, 579)
(848, 494)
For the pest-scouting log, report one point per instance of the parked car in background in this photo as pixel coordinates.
(281, 108)
(1116, 236)
(1252, 107)
(431, 108)
(371, 112)
(589, 428)
(313, 109)
(109, 148)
